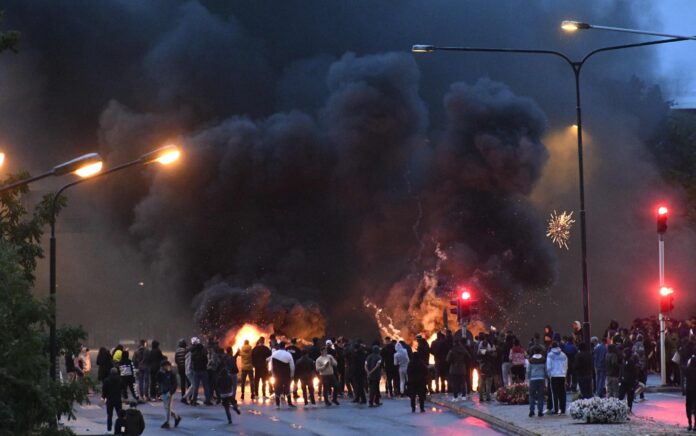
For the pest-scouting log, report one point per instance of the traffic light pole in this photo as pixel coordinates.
(663, 358)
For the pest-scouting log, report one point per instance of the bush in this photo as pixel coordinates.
(514, 394)
(599, 410)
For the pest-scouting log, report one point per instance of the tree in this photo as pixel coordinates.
(30, 402)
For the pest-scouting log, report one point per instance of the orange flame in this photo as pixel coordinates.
(248, 332)
(474, 380)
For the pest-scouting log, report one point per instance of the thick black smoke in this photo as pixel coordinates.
(320, 163)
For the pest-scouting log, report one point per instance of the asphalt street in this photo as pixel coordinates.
(394, 417)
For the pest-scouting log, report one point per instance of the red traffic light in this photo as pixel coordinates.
(665, 291)
(466, 295)
(662, 210)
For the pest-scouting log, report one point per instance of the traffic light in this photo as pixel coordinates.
(662, 213)
(666, 300)
(464, 304)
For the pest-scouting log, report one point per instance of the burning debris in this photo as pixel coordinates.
(222, 309)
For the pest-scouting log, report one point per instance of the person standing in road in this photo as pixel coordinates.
(628, 378)
(690, 375)
(154, 362)
(259, 355)
(517, 357)
(180, 360)
(295, 352)
(583, 370)
(417, 375)
(141, 363)
(247, 369)
(111, 393)
(166, 381)
(556, 368)
(199, 363)
(305, 370)
(325, 365)
(401, 362)
(104, 364)
(373, 368)
(536, 374)
(126, 370)
(612, 364)
(390, 369)
(283, 368)
(459, 361)
(599, 358)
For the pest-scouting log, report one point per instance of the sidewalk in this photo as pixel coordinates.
(515, 419)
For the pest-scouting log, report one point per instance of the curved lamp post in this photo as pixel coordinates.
(576, 67)
(165, 155)
(84, 166)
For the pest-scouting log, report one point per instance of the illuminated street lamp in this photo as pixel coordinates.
(84, 166)
(576, 66)
(572, 26)
(165, 155)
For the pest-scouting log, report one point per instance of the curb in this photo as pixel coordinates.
(490, 419)
(663, 389)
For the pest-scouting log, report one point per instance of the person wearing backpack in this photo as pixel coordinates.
(127, 372)
(130, 422)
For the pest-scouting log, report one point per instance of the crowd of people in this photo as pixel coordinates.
(615, 364)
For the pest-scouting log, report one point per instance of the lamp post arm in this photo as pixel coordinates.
(640, 32)
(23, 182)
(624, 46)
(507, 50)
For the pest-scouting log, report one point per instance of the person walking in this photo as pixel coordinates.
(213, 353)
(517, 357)
(612, 365)
(111, 393)
(638, 350)
(180, 361)
(401, 362)
(244, 353)
(459, 360)
(259, 355)
(417, 376)
(283, 368)
(166, 382)
(305, 370)
(373, 368)
(583, 370)
(154, 362)
(141, 364)
(536, 374)
(556, 368)
(127, 372)
(325, 365)
(599, 357)
(628, 377)
(690, 390)
(227, 383)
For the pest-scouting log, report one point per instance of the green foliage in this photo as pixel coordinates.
(674, 149)
(29, 400)
(9, 40)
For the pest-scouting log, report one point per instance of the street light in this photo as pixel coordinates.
(572, 26)
(164, 156)
(84, 166)
(576, 66)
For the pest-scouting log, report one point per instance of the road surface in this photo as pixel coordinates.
(394, 417)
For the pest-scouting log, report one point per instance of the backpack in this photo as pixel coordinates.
(135, 424)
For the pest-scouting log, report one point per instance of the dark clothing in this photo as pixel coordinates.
(155, 359)
(459, 360)
(259, 354)
(295, 352)
(111, 389)
(314, 352)
(582, 366)
(373, 362)
(558, 393)
(417, 374)
(628, 378)
(612, 365)
(180, 359)
(105, 364)
(199, 358)
(167, 382)
(110, 408)
(132, 424)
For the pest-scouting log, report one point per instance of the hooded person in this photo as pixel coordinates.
(536, 375)
(167, 385)
(582, 366)
(283, 368)
(599, 356)
(111, 394)
(127, 373)
(417, 375)
(401, 362)
(305, 372)
(227, 383)
(390, 369)
(244, 353)
(556, 368)
(259, 359)
(459, 360)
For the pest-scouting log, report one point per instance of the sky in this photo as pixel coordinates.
(678, 61)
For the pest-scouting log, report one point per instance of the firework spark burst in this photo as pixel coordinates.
(559, 226)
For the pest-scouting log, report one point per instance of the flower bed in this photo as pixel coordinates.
(599, 410)
(513, 394)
